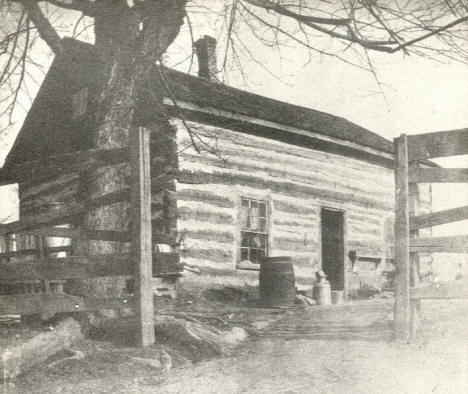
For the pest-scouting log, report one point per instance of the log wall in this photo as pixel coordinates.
(296, 182)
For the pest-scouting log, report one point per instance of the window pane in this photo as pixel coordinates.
(262, 241)
(244, 254)
(262, 209)
(245, 214)
(244, 239)
(262, 225)
(261, 255)
(254, 256)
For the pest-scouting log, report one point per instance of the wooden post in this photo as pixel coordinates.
(141, 234)
(345, 256)
(402, 266)
(415, 305)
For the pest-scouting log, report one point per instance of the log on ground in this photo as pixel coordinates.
(18, 359)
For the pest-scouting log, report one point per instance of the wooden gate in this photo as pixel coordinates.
(410, 154)
(43, 270)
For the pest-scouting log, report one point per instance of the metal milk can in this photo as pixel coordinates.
(322, 291)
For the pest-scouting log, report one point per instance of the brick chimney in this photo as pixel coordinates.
(205, 48)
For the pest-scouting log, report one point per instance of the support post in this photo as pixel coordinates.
(141, 234)
(402, 266)
(415, 305)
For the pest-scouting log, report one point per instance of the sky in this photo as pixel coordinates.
(413, 95)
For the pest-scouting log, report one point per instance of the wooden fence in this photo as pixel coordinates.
(410, 152)
(39, 274)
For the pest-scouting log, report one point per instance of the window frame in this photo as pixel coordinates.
(266, 199)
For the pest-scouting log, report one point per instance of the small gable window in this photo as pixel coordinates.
(79, 103)
(254, 232)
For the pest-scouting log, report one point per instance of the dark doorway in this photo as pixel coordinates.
(333, 247)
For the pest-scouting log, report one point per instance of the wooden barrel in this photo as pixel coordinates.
(276, 282)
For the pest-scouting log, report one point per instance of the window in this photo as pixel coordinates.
(254, 232)
(79, 103)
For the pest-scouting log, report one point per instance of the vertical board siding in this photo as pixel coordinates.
(297, 182)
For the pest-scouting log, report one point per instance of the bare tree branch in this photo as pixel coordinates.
(43, 25)
(307, 19)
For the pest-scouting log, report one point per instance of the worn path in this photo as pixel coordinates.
(343, 349)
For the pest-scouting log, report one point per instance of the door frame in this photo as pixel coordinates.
(345, 243)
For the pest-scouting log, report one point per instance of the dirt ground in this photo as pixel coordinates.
(344, 349)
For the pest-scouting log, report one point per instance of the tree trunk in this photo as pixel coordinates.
(129, 51)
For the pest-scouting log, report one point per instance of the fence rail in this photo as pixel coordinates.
(142, 263)
(409, 150)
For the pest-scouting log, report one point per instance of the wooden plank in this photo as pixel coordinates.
(402, 259)
(40, 303)
(20, 253)
(54, 166)
(43, 219)
(453, 244)
(438, 175)
(438, 218)
(76, 267)
(101, 235)
(142, 240)
(56, 232)
(47, 304)
(439, 144)
(67, 268)
(442, 290)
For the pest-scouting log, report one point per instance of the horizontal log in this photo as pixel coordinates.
(438, 218)
(279, 186)
(338, 179)
(438, 175)
(454, 244)
(206, 217)
(53, 166)
(442, 290)
(439, 144)
(205, 196)
(74, 267)
(41, 219)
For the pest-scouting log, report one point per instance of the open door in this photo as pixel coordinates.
(332, 226)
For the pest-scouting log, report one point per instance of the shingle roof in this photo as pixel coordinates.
(44, 129)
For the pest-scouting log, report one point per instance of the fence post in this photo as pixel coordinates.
(415, 305)
(402, 266)
(141, 234)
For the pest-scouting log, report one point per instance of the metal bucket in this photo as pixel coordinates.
(277, 283)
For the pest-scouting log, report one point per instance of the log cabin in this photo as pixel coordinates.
(236, 176)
